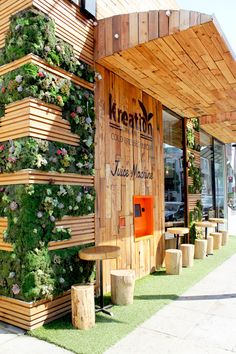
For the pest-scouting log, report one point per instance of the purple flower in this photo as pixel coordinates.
(19, 88)
(15, 289)
(13, 205)
(88, 120)
(47, 48)
(19, 78)
(52, 218)
(58, 48)
(39, 214)
(63, 151)
(61, 206)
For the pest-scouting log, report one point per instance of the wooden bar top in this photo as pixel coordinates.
(178, 230)
(205, 224)
(218, 220)
(99, 253)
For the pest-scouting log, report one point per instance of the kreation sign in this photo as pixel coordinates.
(138, 121)
(132, 173)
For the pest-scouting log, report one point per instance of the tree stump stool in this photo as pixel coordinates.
(210, 245)
(187, 254)
(173, 259)
(217, 240)
(83, 306)
(122, 286)
(225, 237)
(200, 250)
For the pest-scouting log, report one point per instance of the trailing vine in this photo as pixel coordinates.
(195, 215)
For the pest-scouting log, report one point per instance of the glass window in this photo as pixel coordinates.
(173, 164)
(206, 171)
(220, 179)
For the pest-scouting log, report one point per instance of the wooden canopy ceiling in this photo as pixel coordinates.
(180, 57)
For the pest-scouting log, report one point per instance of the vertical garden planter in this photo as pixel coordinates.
(46, 170)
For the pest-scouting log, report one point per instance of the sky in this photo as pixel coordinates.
(224, 10)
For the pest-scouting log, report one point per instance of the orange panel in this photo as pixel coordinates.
(143, 215)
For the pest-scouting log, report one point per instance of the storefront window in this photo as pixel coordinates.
(220, 179)
(206, 171)
(173, 164)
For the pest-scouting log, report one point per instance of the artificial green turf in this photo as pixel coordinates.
(151, 294)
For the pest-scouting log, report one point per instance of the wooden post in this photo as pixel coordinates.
(210, 244)
(173, 261)
(200, 249)
(217, 240)
(122, 286)
(83, 306)
(225, 237)
(187, 254)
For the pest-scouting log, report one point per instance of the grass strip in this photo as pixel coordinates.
(151, 294)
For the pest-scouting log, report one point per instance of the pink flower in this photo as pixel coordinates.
(11, 159)
(59, 152)
(73, 115)
(41, 74)
(2, 147)
(3, 89)
(15, 289)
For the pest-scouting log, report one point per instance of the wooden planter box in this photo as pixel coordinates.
(30, 315)
(71, 25)
(82, 232)
(30, 176)
(34, 118)
(34, 59)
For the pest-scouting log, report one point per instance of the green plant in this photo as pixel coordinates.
(45, 155)
(31, 31)
(32, 211)
(196, 124)
(195, 215)
(190, 138)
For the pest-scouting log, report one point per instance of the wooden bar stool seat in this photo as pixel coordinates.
(187, 254)
(225, 237)
(210, 245)
(200, 249)
(122, 286)
(173, 260)
(217, 240)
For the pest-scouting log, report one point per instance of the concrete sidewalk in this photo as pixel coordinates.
(201, 321)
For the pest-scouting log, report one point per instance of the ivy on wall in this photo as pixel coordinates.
(31, 272)
(195, 215)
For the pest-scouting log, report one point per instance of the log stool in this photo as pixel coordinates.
(210, 245)
(122, 286)
(173, 261)
(83, 306)
(200, 249)
(187, 254)
(225, 237)
(217, 240)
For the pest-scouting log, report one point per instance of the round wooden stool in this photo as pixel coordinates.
(187, 254)
(200, 249)
(225, 237)
(122, 286)
(210, 245)
(217, 240)
(173, 260)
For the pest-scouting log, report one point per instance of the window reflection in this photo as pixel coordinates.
(173, 164)
(206, 171)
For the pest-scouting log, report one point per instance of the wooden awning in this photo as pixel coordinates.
(180, 57)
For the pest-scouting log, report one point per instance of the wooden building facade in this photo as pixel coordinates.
(147, 59)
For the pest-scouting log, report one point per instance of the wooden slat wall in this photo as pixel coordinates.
(30, 315)
(115, 194)
(33, 118)
(82, 232)
(30, 58)
(71, 25)
(29, 176)
(107, 8)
